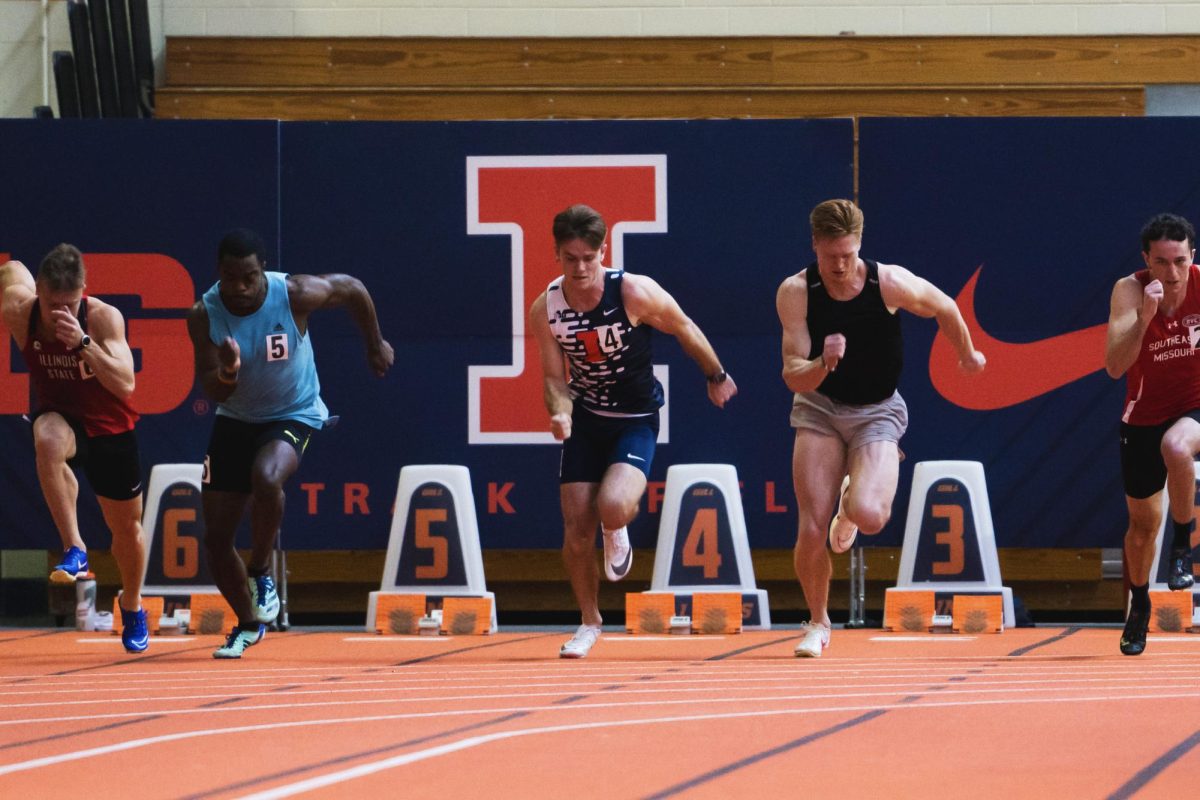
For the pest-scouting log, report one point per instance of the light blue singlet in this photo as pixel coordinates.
(278, 377)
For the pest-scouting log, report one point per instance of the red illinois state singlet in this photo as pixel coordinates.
(1164, 382)
(63, 382)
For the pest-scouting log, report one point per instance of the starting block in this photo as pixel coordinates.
(1171, 612)
(921, 610)
(977, 613)
(434, 552)
(949, 552)
(467, 615)
(648, 613)
(1159, 593)
(153, 606)
(399, 614)
(717, 612)
(210, 614)
(703, 548)
(910, 612)
(711, 612)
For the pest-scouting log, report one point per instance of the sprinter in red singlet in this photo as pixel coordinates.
(81, 370)
(1153, 332)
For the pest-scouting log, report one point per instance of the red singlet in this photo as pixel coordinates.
(1164, 382)
(63, 382)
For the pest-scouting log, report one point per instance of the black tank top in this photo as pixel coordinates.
(870, 370)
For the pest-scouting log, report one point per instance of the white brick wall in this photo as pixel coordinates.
(21, 45)
(677, 17)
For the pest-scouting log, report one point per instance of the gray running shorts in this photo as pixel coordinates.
(854, 425)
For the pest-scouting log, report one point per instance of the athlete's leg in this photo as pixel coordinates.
(1145, 520)
(222, 512)
(54, 443)
(1179, 446)
(124, 519)
(276, 462)
(818, 464)
(619, 495)
(874, 474)
(580, 517)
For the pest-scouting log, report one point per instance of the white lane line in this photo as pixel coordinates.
(676, 638)
(930, 639)
(378, 638)
(1144, 667)
(78, 755)
(153, 640)
(770, 698)
(341, 776)
(977, 683)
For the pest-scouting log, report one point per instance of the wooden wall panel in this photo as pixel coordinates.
(431, 104)
(682, 62)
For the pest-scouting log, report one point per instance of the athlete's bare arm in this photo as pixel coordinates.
(648, 302)
(801, 373)
(1130, 311)
(554, 371)
(216, 367)
(307, 293)
(108, 355)
(17, 296)
(902, 289)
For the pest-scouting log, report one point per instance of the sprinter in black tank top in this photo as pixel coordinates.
(842, 355)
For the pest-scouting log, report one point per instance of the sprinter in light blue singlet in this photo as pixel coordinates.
(254, 357)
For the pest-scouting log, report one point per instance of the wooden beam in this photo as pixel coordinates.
(833, 62)
(693, 103)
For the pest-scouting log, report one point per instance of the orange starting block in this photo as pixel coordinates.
(910, 612)
(209, 614)
(921, 611)
(717, 612)
(1172, 611)
(648, 612)
(467, 615)
(399, 614)
(153, 606)
(977, 613)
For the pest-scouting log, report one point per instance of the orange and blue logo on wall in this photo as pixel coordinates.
(518, 196)
(1016, 371)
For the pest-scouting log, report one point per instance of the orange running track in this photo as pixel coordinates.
(1043, 712)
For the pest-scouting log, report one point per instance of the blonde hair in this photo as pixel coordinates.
(834, 219)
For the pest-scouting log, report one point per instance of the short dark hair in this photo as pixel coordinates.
(579, 222)
(239, 243)
(1168, 226)
(62, 269)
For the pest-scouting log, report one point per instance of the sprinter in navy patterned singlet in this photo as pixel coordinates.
(606, 415)
(842, 356)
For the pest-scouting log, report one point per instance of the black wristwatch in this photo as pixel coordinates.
(85, 341)
(718, 377)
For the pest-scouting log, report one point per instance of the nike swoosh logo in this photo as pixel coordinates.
(620, 570)
(1015, 372)
(636, 458)
(610, 312)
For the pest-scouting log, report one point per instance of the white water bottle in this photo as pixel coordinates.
(85, 604)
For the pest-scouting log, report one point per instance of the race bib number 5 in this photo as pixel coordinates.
(277, 347)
